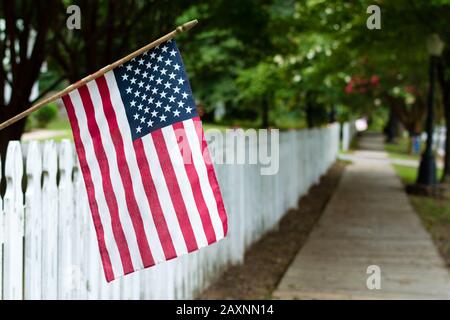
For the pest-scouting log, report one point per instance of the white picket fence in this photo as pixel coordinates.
(439, 137)
(49, 250)
(348, 134)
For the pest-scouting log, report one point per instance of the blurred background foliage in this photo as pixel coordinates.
(259, 63)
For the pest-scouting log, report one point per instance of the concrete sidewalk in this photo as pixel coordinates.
(369, 221)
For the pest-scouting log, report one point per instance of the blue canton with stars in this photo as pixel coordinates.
(155, 90)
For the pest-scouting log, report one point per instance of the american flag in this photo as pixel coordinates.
(151, 186)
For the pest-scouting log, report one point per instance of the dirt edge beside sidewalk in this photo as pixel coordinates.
(267, 260)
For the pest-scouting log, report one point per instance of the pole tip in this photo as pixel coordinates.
(187, 26)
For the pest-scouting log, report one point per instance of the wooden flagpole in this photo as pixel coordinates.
(184, 27)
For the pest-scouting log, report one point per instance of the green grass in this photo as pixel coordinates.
(58, 124)
(345, 162)
(408, 174)
(432, 210)
(65, 136)
(399, 150)
(435, 216)
(286, 123)
(434, 213)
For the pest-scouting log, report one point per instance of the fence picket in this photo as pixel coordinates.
(81, 237)
(66, 270)
(50, 222)
(14, 228)
(33, 223)
(2, 235)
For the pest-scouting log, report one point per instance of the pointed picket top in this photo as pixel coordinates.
(34, 159)
(13, 165)
(13, 174)
(50, 160)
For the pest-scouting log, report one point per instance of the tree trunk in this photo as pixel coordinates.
(391, 129)
(332, 114)
(446, 103)
(24, 67)
(445, 89)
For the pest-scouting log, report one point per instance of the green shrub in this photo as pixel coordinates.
(43, 116)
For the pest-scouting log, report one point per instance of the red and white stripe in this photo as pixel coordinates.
(148, 204)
